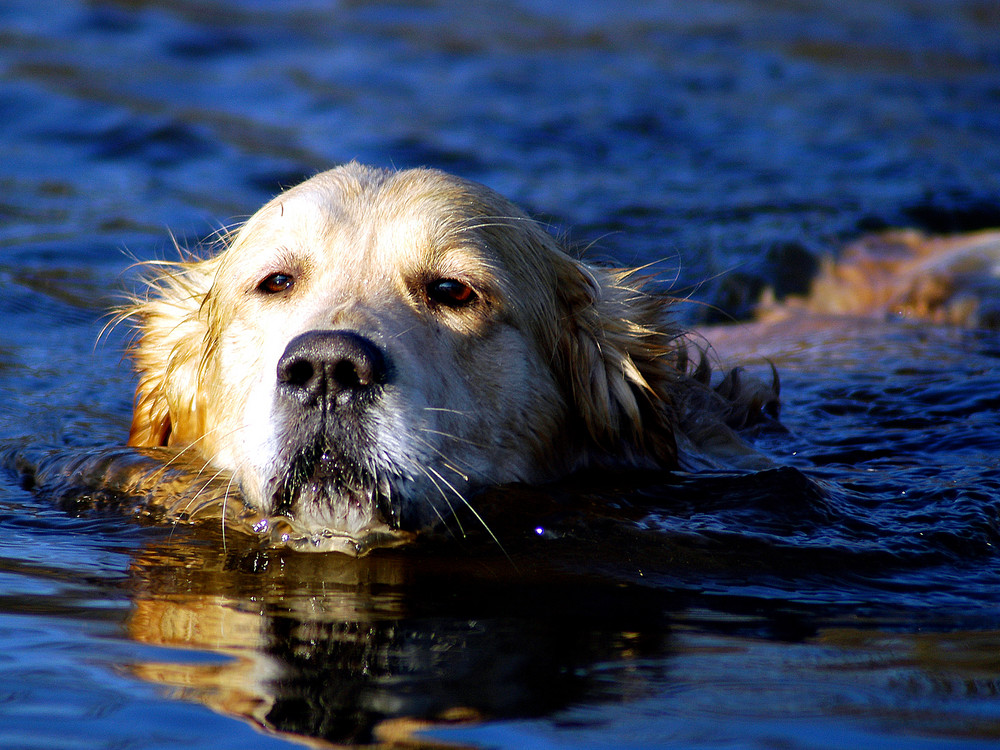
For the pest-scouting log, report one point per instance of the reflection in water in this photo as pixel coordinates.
(333, 647)
(368, 650)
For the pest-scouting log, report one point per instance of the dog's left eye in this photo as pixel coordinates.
(451, 293)
(276, 283)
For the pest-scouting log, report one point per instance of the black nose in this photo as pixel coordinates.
(332, 365)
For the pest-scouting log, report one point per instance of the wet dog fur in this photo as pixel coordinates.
(372, 347)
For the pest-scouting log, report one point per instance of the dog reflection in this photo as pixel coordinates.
(356, 649)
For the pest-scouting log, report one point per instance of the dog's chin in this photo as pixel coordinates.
(323, 503)
(322, 499)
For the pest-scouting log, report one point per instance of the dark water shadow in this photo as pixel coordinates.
(543, 601)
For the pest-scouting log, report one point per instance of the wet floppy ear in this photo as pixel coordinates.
(614, 353)
(173, 338)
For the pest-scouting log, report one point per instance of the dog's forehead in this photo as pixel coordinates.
(296, 218)
(419, 214)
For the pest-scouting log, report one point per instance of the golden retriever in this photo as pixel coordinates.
(373, 346)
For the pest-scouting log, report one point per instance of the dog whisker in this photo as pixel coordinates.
(402, 333)
(474, 512)
(446, 460)
(449, 411)
(451, 510)
(452, 436)
(179, 513)
(194, 445)
(225, 507)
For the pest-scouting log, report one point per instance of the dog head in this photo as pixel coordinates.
(373, 346)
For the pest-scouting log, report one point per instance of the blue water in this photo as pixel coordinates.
(847, 600)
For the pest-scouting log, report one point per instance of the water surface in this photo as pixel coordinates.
(848, 598)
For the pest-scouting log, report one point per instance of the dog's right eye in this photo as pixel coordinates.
(276, 283)
(451, 293)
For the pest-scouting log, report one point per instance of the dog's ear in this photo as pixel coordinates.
(618, 352)
(169, 353)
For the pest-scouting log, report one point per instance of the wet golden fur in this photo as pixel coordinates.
(554, 366)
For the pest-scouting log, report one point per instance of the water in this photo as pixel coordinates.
(849, 599)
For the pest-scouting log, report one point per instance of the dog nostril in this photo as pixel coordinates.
(297, 372)
(349, 374)
(330, 363)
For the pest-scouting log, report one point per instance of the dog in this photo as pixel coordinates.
(373, 347)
